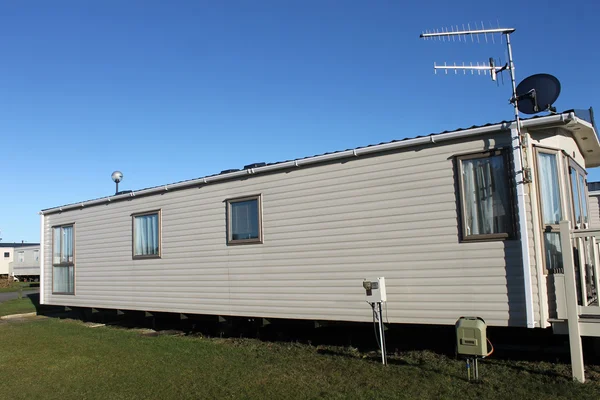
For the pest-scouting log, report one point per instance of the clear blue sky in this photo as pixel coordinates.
(172, 90)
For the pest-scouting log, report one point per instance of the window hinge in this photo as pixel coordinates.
(527, 175)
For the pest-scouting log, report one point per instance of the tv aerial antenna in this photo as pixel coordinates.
(534, 94)
(480, 34)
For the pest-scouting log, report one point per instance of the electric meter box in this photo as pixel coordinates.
(471, 338)
(375, 290)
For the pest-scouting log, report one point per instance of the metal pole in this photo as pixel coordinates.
(117, 183)
(381, 335)
(515, 102)
(468, 368)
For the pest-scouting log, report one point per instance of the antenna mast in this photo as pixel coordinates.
(477, 33)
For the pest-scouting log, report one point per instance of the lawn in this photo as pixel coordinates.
(15, 287)
(17, 306)
(64, 359)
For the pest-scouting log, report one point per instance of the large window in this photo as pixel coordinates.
(147, 234)
(63, 260)
(244, 220)
(551, 210)
(487, 211)
(36, 255)
(21, 257)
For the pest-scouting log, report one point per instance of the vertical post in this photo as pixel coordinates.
(596, 266)
(381, 335)
(571, 299)
(521, 186)
(511, 67)
(582, 275)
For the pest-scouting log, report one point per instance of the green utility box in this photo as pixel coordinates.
(471, 336)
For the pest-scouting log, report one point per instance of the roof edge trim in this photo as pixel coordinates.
(503, 126)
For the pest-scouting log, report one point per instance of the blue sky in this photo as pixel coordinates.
(168, 91)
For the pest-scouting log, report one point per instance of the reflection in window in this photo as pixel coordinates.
(486, 196)
(550, 189)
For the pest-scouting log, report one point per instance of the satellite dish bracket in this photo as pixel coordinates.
(529, 95)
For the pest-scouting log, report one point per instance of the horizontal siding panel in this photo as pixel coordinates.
(326, 228)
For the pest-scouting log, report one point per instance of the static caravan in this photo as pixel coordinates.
(19, 254)
(26, 263)
(463, 222)
(594, 200)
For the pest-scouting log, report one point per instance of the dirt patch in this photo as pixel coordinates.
(7, 283)
(170, 332)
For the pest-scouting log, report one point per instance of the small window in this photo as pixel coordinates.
(147, 234)
(21, 257)
(244, 220)
(36, 255)
(487, 210)
(63, 260)
(6, 254)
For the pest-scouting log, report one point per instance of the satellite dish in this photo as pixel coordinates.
(537, 93)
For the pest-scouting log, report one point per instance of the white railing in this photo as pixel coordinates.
(586, 264)
(577, 287)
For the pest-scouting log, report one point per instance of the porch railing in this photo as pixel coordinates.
(578, 286)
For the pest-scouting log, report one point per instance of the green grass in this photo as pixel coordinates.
(17, 306)
(21, 285)
(61, 359)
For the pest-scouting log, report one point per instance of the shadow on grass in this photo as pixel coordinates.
(513, 344)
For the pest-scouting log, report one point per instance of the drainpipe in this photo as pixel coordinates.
(520, 181)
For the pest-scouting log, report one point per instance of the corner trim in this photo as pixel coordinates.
(42, 245)
(523, 234)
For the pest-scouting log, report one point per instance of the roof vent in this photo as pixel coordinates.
(228, 171)
(255, 165)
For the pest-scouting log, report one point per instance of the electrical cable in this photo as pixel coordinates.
(375, 325)
(492, 346)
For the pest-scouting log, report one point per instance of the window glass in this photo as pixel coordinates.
(36, 255)
(63, 270)
(486, 196)
(582, 196)
(67, 245)
(575, 197)
(244, 220)
(63, 280)
(553, 251)
(146, 235)
(549, 188)
(6, 254)
(21, 256)
(56, 239)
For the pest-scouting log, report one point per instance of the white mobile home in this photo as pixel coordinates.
(594, 199)
(452, 220)
(26, 263)
(20, 255)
